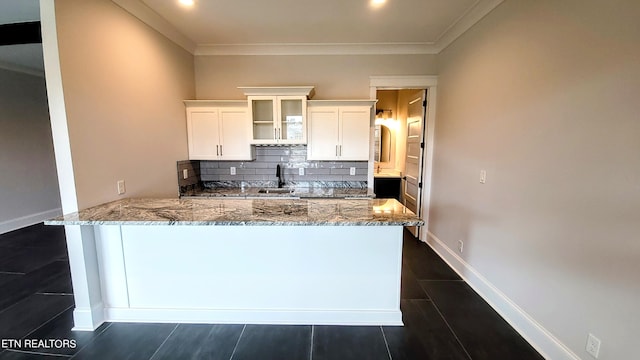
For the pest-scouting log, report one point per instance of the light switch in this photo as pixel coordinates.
(483, 176)
(233, 170)
(121, 188)
(301, 171)
(185, 173)
(352, 171)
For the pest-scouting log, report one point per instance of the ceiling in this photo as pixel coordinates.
(223, 27)
(312, 21)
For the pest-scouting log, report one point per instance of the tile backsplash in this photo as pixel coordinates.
(291, 159)
(193, 175)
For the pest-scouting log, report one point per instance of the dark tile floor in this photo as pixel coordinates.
(444, 318)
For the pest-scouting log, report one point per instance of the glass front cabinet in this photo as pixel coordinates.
(278, 115)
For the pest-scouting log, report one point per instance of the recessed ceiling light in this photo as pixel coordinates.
(186, 2)
(377, 3)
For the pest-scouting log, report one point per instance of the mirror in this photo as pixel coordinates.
(382, 140)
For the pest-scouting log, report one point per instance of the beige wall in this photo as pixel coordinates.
(334, 77)
(28, 180)
(123, 84)
(543, 95)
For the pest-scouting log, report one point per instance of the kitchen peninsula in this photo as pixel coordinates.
(242, 260)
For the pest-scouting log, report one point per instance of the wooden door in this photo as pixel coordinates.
(412, 189)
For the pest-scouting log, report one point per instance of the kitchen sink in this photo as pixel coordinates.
(275, 191)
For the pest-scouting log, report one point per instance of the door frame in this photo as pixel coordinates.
(399, 82)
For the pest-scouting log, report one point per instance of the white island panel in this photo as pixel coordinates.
(113, 277)
(262, 274)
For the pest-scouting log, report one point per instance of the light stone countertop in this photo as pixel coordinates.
(228, 211)
(387, 173)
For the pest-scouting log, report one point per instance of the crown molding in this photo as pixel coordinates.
(307, 90)
(157, 22)
(465, 22)
(316, 49)
(403, 81)
(21, 69)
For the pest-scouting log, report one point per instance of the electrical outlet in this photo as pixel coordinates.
(352, 171)
(483, 176)
(300, 171)
(460, 246)
(185, 173)
(121, 188)
(593, 346)
(232, 170)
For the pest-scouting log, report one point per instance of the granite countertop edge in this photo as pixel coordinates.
(244, 212)
(235, 223)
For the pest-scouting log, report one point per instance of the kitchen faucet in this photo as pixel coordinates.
(279, 176)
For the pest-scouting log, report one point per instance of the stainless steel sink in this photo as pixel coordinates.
(275, 191)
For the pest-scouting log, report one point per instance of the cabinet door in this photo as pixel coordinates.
(292, 122)
(235, 134)
(264, 119)
(387, 188)
(354, 132)
(323, 133)
(203, 134)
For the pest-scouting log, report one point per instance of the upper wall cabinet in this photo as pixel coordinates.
(278, 114)
(218, 130)
(339, 130)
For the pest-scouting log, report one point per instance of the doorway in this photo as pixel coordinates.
(419, 93)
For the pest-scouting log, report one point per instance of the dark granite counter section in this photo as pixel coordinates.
(227, 211)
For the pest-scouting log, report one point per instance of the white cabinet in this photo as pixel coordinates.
(278, 119)
(278, 114)
(218, 130)
(339, 130)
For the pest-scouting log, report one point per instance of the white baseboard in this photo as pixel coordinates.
(88, 319)
(18, 223)
(256, 316)
(535, 334)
